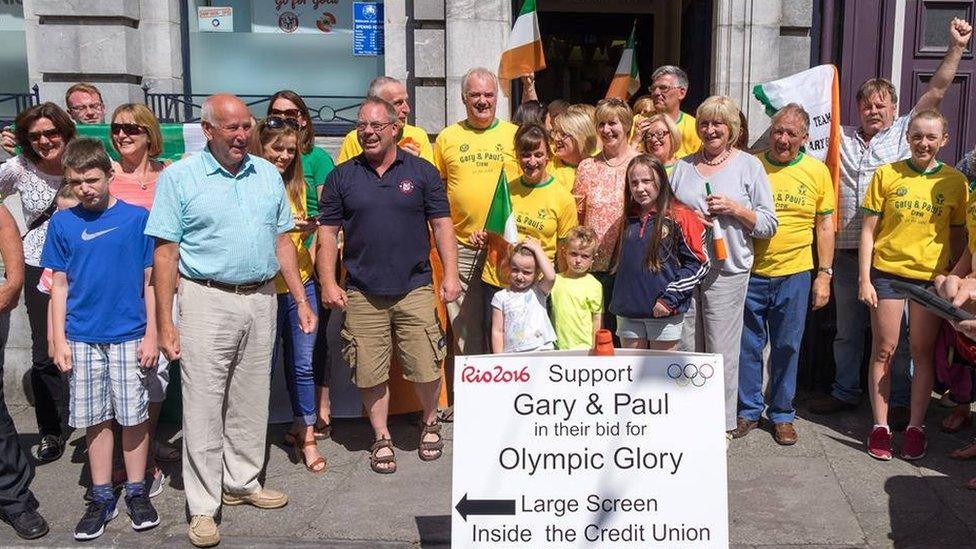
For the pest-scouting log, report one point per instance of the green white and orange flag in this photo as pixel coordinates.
(500, 225)
(626, 81)
(524, 53)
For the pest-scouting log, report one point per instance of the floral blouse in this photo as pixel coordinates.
(37, 190)
(600, 190)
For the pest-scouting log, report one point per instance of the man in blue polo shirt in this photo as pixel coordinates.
(383, 199)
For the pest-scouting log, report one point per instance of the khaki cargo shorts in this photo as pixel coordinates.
(371, 323)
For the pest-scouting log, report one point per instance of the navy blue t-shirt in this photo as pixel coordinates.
(104, 255)
(384, 220)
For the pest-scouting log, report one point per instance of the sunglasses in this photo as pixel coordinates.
(287, 113)
(50, 134)
(127, 129)
(277, 123)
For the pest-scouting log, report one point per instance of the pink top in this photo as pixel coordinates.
(600, 191)
(129, 188)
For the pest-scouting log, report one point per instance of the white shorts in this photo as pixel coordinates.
(666, 328)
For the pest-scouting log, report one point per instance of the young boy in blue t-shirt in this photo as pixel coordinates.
(102, 333)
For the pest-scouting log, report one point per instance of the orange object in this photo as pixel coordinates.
(604, 343)
(720, 252)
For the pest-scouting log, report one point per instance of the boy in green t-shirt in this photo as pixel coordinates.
(577, 296)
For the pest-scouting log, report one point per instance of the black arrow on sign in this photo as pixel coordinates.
(484, 507)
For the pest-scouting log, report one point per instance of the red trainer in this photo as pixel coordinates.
(914, 444)
(879, 443)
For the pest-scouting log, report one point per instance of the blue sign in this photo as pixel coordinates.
(367, 38)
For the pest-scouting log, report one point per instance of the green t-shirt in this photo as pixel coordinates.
(316, 165)
(574, 302)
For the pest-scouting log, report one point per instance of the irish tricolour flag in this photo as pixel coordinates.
(524, 52)
(178, 139)
(626, 81)
(500, 225)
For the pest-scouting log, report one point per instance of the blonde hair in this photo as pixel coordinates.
(673, 131)
(144, 117)
(83, 87)
(644, 105)
(722, 109)
(584, 108)
(930, 114)
(293, 177)
(578, 125)
(586, 236)
(615, 108)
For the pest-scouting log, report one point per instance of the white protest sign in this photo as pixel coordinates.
(560, 450)
(816, 89)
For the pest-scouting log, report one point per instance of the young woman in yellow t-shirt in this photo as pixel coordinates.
(914, 223)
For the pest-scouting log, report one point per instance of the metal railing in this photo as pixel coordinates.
(331, 115)
(17, 101)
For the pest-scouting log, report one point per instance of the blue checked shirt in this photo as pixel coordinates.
(226, 225)
(858, 162)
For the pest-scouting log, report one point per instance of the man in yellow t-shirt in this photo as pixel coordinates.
(780, 284)
(411, 139)
(669, 85)
(470, 155)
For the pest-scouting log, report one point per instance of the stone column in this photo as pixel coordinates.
(477, 33)
(117, 45)
(429, 37)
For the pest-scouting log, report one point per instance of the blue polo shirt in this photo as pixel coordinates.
(226, 224)
(384, 221)
(104, 255)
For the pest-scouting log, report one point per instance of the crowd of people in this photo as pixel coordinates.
(637, 217)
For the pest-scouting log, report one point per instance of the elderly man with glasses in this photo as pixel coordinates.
(669, 85)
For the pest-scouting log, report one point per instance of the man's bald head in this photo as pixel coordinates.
(227, 123)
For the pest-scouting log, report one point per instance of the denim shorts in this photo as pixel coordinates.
(882, 284)
(666, 328)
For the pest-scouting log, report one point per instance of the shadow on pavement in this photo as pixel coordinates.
(435, 531)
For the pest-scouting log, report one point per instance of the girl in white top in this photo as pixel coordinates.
(519, 319)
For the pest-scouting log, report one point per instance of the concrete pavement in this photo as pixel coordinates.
(823, 492)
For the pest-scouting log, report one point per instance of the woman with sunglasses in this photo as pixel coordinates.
(138, 140)
(41, 133)
(316, 165)
(278, 142)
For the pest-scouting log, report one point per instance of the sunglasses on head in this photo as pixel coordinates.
(277, 122)
(287, 113)
(50, 134)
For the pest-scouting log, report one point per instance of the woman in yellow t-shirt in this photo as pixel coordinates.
(276, 140)
(573, 139)
(914, 222)
(543, 209)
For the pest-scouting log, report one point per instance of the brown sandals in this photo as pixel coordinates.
(317, 466)
(384, 465)
(429, 451)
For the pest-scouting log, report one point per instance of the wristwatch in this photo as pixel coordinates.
(828, 270)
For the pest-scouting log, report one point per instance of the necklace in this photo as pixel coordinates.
(717, 160)
(607, 160)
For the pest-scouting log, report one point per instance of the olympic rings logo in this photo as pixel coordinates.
(690, 373)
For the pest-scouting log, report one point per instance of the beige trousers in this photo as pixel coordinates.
(466, 313)
(226, 342)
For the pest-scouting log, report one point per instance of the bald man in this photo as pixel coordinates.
(412, 139)
(220, 219)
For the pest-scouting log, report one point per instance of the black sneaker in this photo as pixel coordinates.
(96, 516)
(29, 524)
(141, 512)
(50, 448)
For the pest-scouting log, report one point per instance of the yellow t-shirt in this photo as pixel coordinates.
(350, 144)
(545, 212)
(917, 209)
(574, 302)
(305, 267)
(802, 190)
(689, 135)
(565, 174)
(470, 161)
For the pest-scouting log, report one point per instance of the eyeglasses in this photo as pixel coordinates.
(656, 135)
(95, 107)
(662, 88)
(127, 129)
(287, 113)
(277, 123)
(50, 134)
(558, 135)
(375, 126)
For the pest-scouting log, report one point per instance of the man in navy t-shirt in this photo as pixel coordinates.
(383, 200)
(101, 332)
